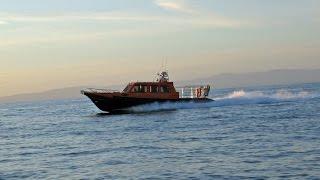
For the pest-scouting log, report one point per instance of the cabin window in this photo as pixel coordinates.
(144, 89)
(136, 89)
(154, 89)
(140, 89)
(164, 89)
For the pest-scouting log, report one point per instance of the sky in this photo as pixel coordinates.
(49, 44)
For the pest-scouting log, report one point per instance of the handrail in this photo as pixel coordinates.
(94, 90)
(193, 91)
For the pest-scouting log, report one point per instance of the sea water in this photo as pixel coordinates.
(259, 133)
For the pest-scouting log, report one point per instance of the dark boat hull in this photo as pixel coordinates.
(117, 103)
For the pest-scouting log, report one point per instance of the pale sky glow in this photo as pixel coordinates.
(46, 44)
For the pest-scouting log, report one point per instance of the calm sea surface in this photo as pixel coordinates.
(260, 133)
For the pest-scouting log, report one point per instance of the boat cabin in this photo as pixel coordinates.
(152, 89)
(161, 89)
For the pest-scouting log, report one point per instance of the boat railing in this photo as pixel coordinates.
(193, 91)
(95, 90)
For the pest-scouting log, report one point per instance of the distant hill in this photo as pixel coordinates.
(64, 93)
(274, 77)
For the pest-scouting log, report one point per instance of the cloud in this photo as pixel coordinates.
(174, 5)
(197, 17)
(199, 20)
(134, 25)
(71, 17)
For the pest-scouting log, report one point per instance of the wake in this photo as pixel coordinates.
(232, 99)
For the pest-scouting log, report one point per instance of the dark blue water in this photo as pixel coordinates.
(266, 132)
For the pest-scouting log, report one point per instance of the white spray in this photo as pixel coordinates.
(240, 97)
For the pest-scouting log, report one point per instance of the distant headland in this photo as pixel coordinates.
(273, 77)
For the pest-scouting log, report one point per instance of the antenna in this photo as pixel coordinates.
(162, 75)
(162, 65)
(165, 64)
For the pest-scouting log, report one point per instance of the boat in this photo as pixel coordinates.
(141, 93)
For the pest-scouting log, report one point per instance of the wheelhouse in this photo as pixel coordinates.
(150, 87)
